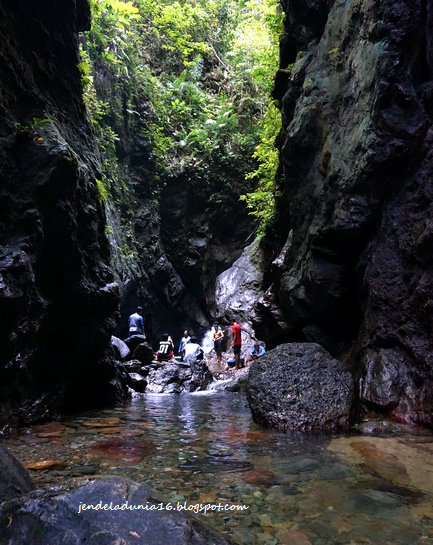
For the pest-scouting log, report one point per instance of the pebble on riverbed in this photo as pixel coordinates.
(48, 465)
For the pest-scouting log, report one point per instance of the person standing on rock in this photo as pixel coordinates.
(183, 342)
(237, 343)
(218, 336)
(135, 323)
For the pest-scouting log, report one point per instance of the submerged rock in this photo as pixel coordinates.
(259, 476)
(14, 479)
(300, 386)
(125, 450)
(215, 463)
(56, 519)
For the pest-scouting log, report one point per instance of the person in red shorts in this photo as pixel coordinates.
(237, 342)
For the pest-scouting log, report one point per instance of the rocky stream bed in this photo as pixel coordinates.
(372, 485)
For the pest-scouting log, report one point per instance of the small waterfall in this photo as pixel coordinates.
(218, 385)
(207, 342)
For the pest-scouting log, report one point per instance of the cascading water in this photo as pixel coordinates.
(207, 342)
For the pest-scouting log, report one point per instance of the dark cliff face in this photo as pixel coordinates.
(184, 242)
(58, 302)
(356, 273)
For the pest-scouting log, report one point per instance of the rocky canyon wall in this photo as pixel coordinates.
(58, 301)
(356, 272)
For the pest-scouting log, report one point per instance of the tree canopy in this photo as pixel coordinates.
(205, 71)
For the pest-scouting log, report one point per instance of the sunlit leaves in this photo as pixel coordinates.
(204, 69)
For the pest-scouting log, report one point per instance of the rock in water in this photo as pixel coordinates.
(120, 347)
(57, 519)
(179, 377)
(137, 382)
(14, 479)
(47, 465)
(299, 386)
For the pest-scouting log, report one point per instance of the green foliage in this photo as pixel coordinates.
(262, 201)
(35, 123)
(33, 128)
(103, 193)
(194, 76)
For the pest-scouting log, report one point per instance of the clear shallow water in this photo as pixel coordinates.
(205, 448)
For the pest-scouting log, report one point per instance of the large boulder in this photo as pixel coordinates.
(144, 353)
(179, 377)
(120, 347)
(299, 386)
(239, 287)
(14, 479)
(134, 340)
(41, 518)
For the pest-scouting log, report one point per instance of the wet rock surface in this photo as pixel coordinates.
(14, 479)
(134, 366)
(56, 518)
(179, 377)
(239, 287)
(121, 348)
(299, 386)
(137, 382)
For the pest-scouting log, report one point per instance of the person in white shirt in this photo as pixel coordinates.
(183, 342)
(192, 350)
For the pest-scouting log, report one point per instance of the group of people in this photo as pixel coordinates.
(190, 350)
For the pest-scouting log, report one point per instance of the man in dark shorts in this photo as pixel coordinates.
(218, 336)
(237, 342)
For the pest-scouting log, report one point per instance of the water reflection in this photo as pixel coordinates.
(301, 489)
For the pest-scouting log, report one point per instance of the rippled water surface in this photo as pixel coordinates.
(205, 448)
